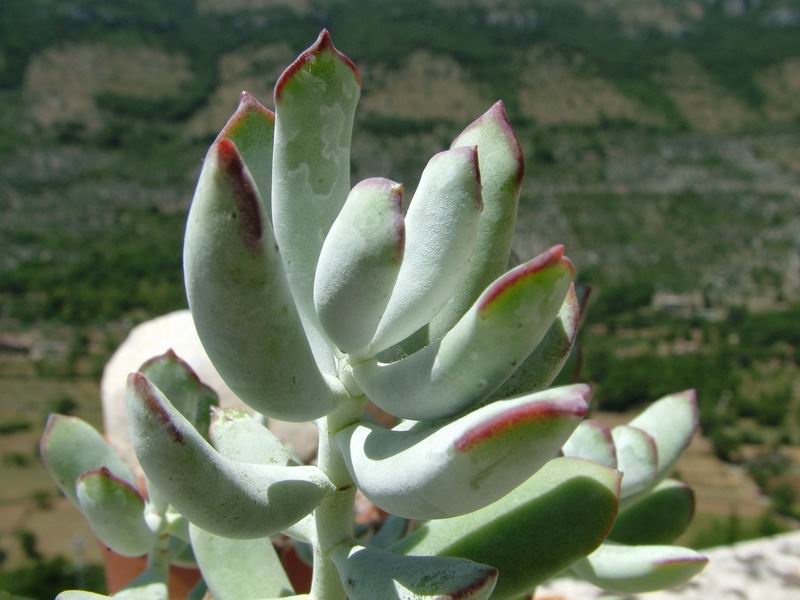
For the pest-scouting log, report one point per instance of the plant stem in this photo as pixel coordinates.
(334, 516)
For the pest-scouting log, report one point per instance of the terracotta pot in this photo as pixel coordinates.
(120, 570)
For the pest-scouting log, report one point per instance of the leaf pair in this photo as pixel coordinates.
(96, 480)
(654, 511)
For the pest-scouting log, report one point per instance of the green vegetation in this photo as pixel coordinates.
(683, 221)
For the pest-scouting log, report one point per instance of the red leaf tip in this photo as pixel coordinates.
(322, 44)
(548, 258)
(170, 355)
(146, 392)
(106, 473)
(681, 561)
(575, 406)
(243, 192)
(497, 113)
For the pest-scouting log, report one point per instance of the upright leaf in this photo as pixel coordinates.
(637, 459)
(502, 169)
(252, 129)
(239, 297)
(359, 263)
(671, 422)
(315, 101)
(592, 441)
(441, 224)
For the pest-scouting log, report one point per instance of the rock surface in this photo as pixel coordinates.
(763, 568)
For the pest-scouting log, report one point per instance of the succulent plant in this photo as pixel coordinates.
(327, 298)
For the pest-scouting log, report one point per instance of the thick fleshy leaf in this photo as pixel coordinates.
(639, 569)
(637, 458)
(70, 446)
(315, 101)
(544, 364)
(178, 381)
(252, 129)
(592, 441)
(671, 421)
(441, 224)
(115, 511)
(239, 297)
(240, 437)
(502, 168)
(484, 348)
(424, 472)
(659, 517)
(239, 569)
(229, 498)
(533, 533)
(359, 263)
(370, 573)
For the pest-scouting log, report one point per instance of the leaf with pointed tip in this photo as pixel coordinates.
(536, 531)
(639, 569)
(239, 297)
(178, 381)
(659, 517)
(370, 573)
(637, 459)
(359, 263)
(315, 101)
(70, 446)
(502, 168)
(115, 511)
(228, 498)
(543, 365)
(475, 357)
(239, 569)
(592, 441)
(463, 465)
(238, 436)
(252, 129)
(441, 224)
(671, 422)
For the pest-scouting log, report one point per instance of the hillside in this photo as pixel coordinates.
(662, 144)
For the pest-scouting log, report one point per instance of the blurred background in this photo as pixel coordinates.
(662, 140)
